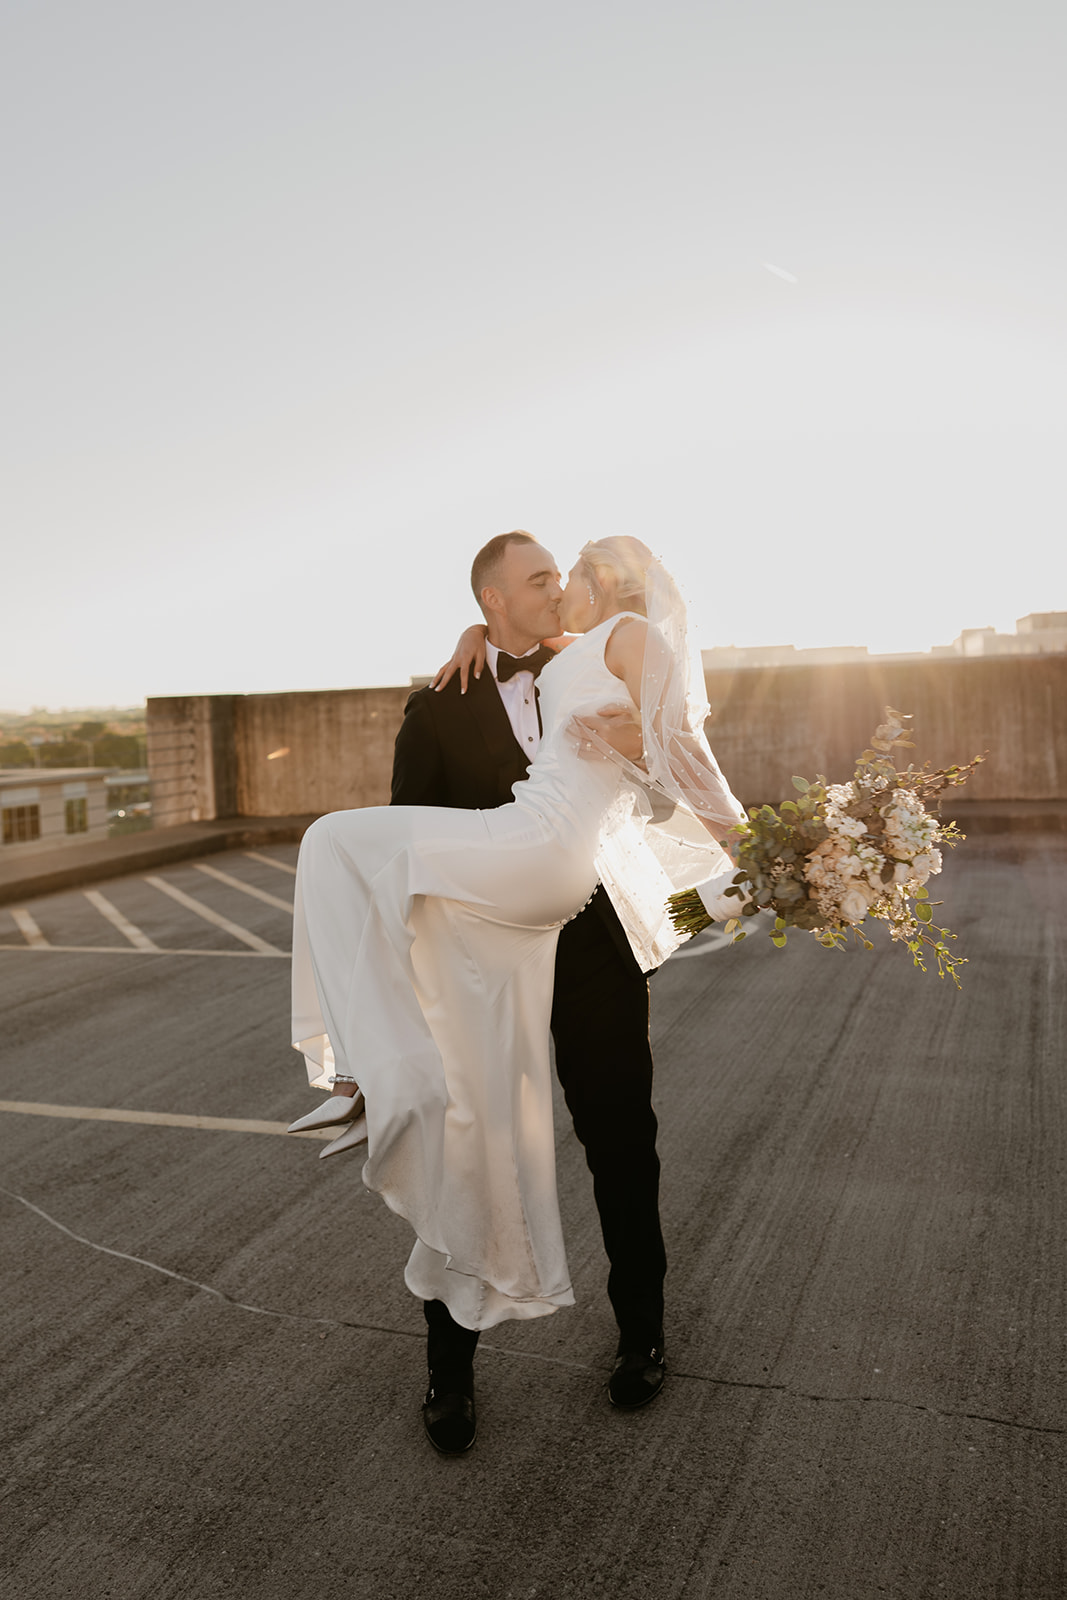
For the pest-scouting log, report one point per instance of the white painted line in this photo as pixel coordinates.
(159, 1119)
(159, 950)
(245, 888)
(251, 939)
(704, 944)
(269, 861)
(139, 940)
(29, 929)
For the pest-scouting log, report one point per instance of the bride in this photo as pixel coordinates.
(424, 944)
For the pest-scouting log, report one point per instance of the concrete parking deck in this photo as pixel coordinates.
(212, 1371)
(71, 866)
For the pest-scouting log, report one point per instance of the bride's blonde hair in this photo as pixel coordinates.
(627, 560)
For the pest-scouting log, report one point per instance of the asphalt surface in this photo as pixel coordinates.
(212, 1371)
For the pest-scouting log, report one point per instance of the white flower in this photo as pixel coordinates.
(822, 864)
(909, 829)
(848, 827)
(854, 904)
(925, 864)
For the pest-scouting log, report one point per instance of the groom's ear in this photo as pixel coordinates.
(491, 602)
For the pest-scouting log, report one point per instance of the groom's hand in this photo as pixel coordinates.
(618, 726)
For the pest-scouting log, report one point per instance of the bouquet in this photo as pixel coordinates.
(842, 852)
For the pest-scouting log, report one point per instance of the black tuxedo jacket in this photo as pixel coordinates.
(459, 750)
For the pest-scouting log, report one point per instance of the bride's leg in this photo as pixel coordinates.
(485, 992)
(443, 1047)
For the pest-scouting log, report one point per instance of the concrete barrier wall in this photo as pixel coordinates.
(770, 723)
(191, 758)
(323, 751)
(295, 754)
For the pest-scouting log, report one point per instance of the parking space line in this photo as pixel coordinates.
(708, 943)
(245, 888)
(232, 928)
(139, 940)
(161, 1119)
(156, 950)
(269, 861)
(28, 928)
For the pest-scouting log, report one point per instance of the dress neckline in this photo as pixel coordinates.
(617, 617)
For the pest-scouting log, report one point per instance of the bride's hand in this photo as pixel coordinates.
(469, 652)
(618, 726)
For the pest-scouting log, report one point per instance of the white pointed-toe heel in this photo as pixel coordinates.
(338, 1108)
(354, 1134)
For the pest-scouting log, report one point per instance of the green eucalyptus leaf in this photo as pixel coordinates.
(787, 891)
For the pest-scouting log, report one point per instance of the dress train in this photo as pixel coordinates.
(439, 1008)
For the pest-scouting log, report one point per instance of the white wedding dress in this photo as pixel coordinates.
(423, 956)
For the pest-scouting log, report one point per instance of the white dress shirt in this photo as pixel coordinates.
(520, 701)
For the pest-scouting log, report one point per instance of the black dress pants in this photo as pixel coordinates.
(604, 1062)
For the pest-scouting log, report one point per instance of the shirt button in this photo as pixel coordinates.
(529, 738)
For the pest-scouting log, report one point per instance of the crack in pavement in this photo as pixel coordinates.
(179, 1277)
(528, 1355)
(871, 1400)
(264, 1311)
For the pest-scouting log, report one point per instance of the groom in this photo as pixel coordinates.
(466, 749)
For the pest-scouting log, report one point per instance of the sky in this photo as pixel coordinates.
(304, 302)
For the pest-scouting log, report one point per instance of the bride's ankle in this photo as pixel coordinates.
(345, 1086)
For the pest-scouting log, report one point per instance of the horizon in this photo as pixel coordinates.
(84, 711)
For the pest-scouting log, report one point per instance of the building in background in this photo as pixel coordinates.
(62, 805)
(1041, 633)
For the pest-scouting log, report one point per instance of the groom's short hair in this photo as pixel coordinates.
(486, 567)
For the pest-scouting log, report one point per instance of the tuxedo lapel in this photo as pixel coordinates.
(487, 716)
(457, 749)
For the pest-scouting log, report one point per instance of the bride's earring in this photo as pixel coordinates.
(592, 596)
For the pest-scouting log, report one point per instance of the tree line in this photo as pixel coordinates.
(89, 744)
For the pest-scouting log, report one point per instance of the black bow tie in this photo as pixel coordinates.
(507, 666)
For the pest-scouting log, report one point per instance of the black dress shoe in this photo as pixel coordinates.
(637, 1378)
(449, 1421)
